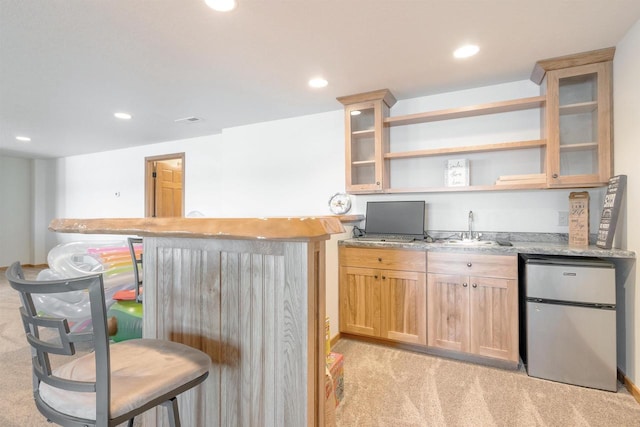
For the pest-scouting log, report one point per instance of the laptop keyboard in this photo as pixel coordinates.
(397, 239)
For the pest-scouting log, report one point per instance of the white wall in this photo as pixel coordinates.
(44, 208)
(285, 167)
(278, 168)
(15, 210)
(534, 211)
(627, 152)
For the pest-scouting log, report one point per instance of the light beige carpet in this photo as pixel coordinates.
(16, 398)
(388, 387)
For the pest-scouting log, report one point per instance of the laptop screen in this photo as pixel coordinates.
(404, 218)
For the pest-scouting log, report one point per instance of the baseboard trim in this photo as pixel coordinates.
(432, 351)
(633, 389)
(334, 340)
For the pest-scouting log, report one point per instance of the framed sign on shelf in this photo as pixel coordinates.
(611, 211)
(456, 173)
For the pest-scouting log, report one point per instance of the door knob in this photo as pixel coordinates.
(475, 285)
(464, 285)
(469, 264)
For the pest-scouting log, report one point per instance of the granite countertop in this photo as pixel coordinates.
(537, 248)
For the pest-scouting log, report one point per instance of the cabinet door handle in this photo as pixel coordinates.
(375, 277)
(379, 259)
(469, 264)
(555, 175)
(465, 284)
(475, 285)
(384, 277)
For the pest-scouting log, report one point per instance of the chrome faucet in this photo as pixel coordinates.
(470, 235)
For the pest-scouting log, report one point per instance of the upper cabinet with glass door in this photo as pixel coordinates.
(367, 140)
(578, 119)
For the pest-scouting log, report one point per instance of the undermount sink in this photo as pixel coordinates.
(466, 242)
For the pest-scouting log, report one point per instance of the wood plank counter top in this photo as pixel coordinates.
(294, 228)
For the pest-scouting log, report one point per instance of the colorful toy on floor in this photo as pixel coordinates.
(125, 319)
(76, 259)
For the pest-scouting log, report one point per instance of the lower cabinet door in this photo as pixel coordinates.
(448, 311)
(494, 317)
(360, 301)
(404, 306)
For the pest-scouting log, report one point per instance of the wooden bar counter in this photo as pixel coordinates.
(251, 294)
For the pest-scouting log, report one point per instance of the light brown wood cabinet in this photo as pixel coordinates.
(383, 293)
(575, 144)
(366, 141)
(578, 118)
(472, 304)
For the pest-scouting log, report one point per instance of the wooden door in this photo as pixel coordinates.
(404, 306)
(448, 311)
(168, 176)
(494, 317)
(164, 185)
(360, 301)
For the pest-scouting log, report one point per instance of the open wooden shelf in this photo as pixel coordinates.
(467, 188)
(469, 111)
(462, 112)
(516, 145)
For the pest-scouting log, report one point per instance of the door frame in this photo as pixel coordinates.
(149, 183)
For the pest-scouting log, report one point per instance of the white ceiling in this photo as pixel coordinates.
(67, 65)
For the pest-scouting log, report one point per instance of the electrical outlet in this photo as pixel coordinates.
(563, 218)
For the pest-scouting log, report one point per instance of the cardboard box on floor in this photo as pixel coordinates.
(579, 218)
(335, 362)
(330, 399)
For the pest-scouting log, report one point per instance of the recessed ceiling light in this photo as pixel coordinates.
(222, 5)
(23, 138)
(466, 51)
(318, 82)
(123, 116)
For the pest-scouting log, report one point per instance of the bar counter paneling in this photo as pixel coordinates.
(248, 292)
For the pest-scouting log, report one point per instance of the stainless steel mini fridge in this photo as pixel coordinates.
(571, 321)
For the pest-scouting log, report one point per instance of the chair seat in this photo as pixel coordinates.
(141, 370)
